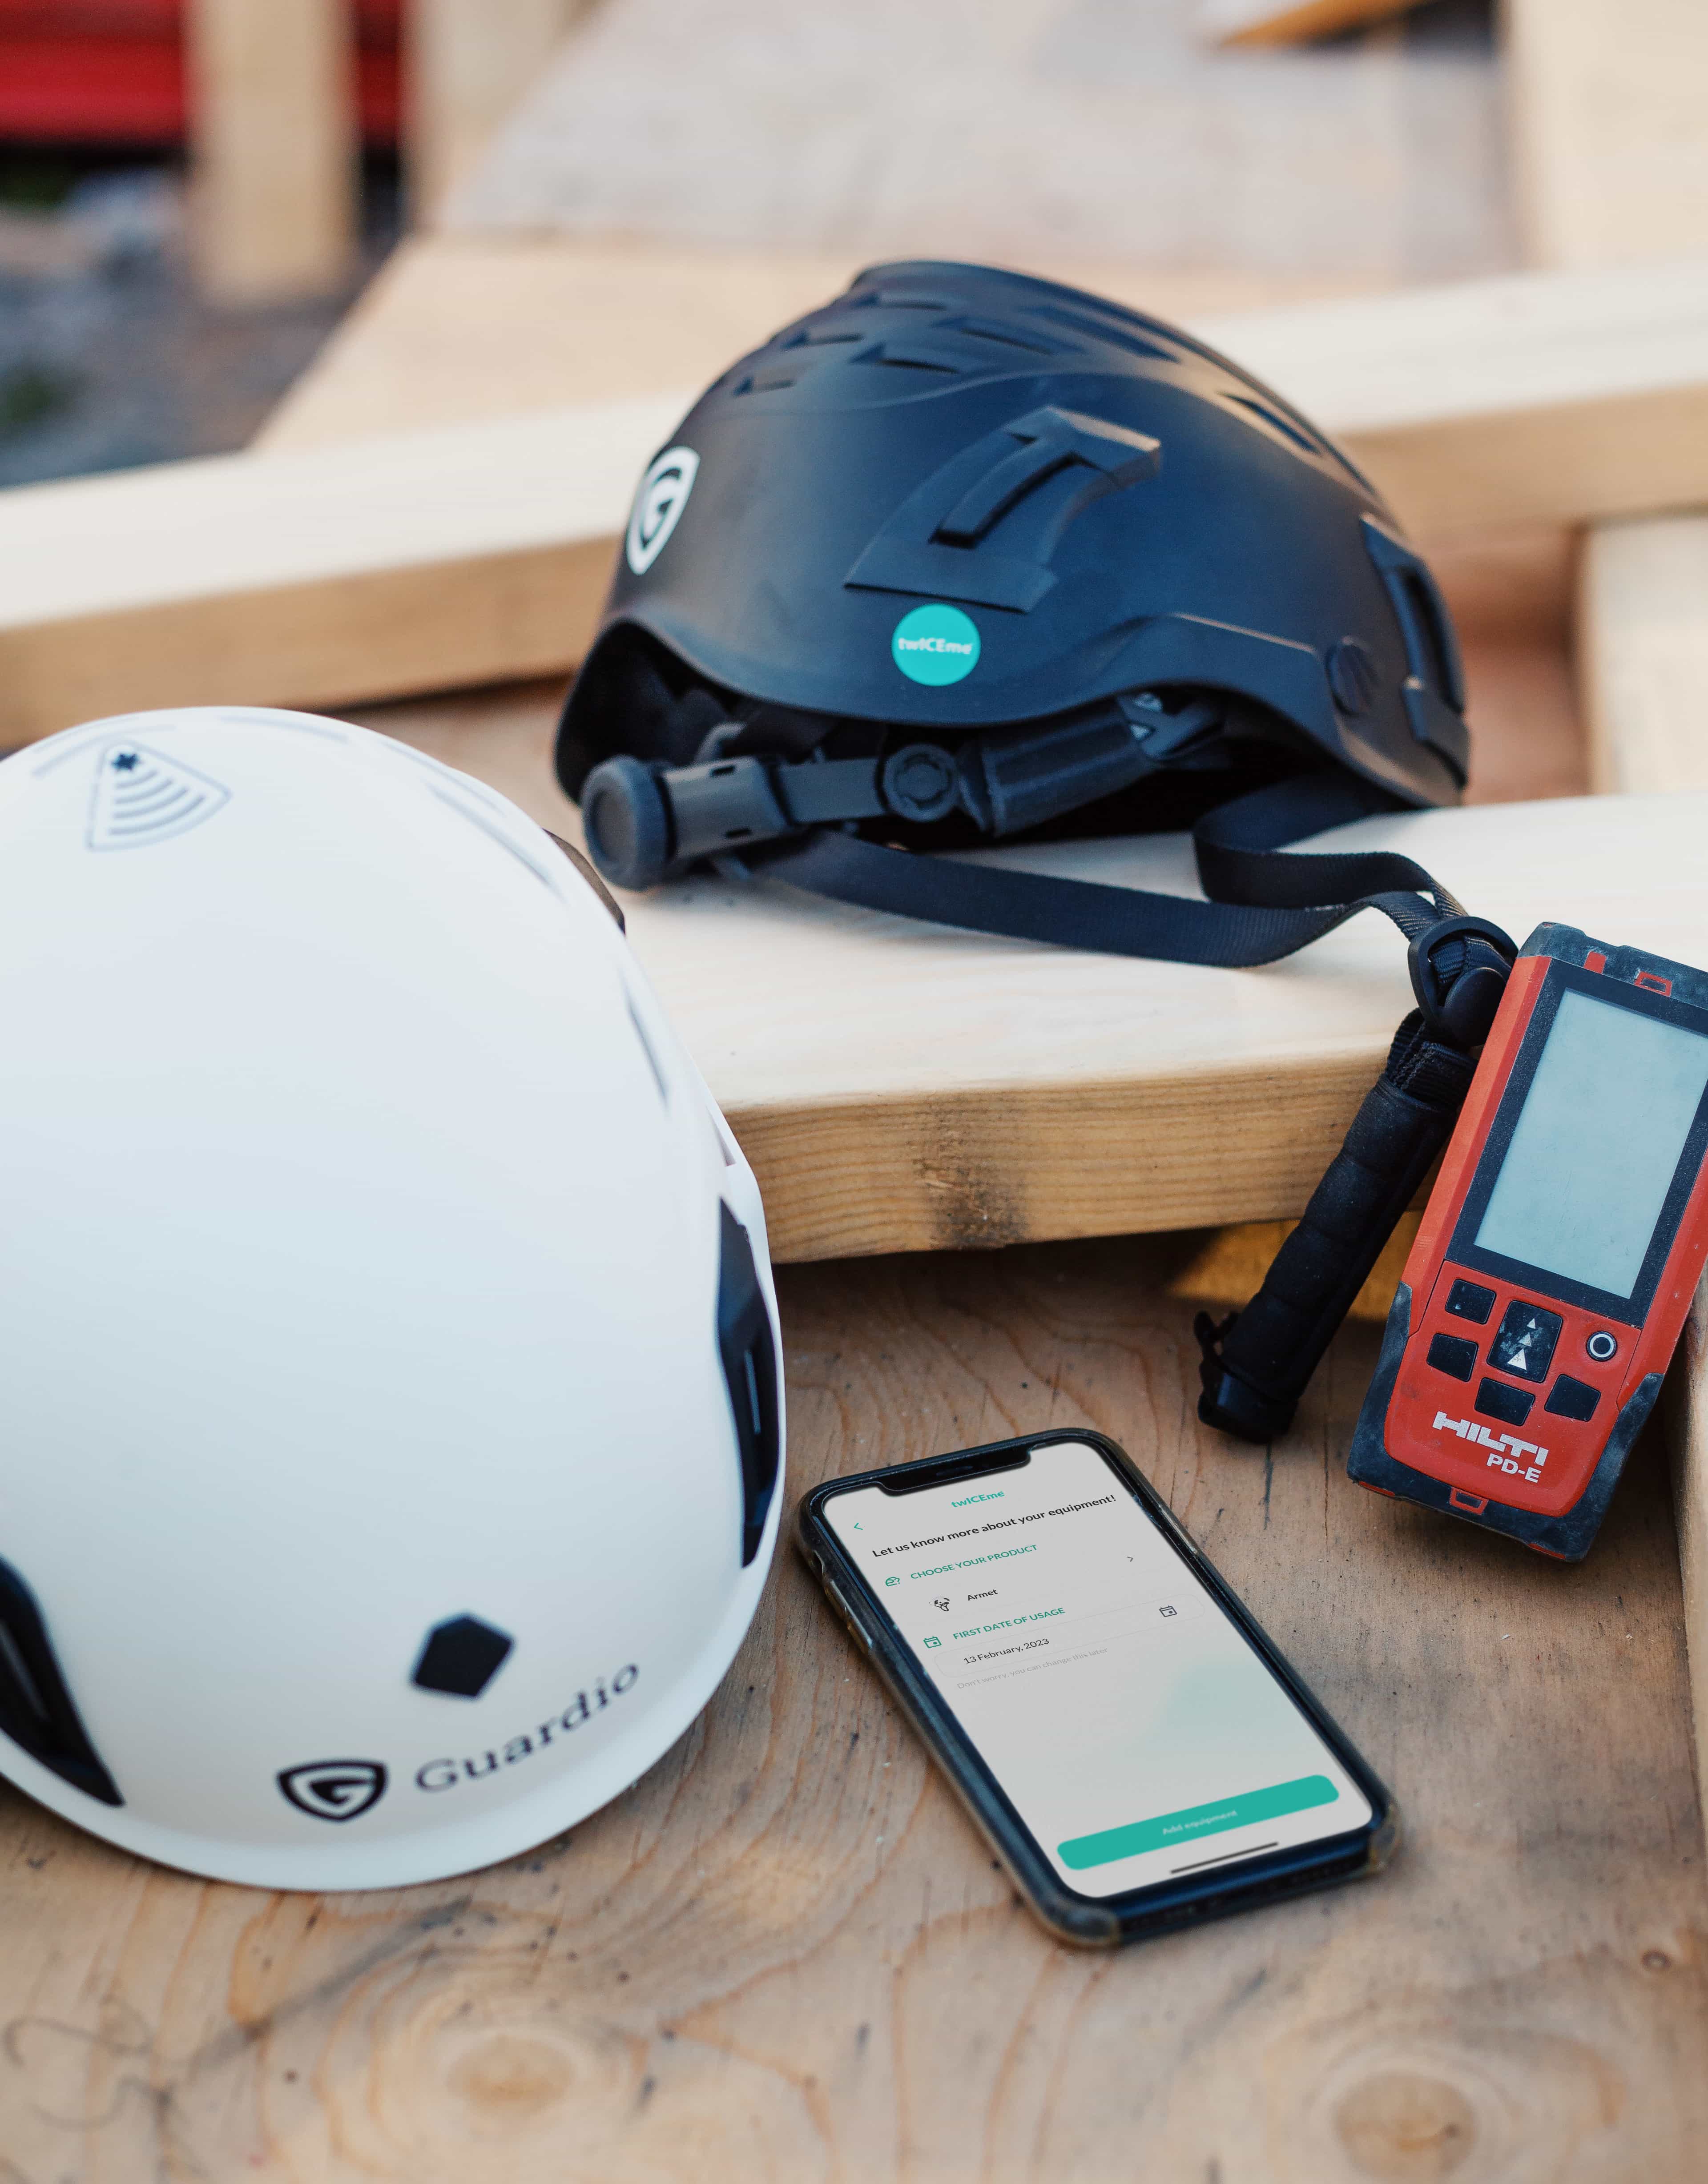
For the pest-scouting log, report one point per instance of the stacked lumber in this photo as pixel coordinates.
(412, 562)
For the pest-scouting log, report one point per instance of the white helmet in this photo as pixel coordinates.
(390, 1402)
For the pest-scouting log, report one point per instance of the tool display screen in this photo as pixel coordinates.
(1130, 1724)
(1598, 1141)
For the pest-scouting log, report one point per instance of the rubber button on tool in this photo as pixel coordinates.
(1452, 1355)
(1470, 1300)
(1571, 1399)
(1602, 1346)
(1511, 1406)
(1525, 1344)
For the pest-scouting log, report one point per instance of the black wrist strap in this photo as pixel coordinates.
(1256, 1362)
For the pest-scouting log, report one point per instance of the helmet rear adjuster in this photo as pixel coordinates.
(646, 823)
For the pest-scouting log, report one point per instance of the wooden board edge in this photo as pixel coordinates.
(1010, 1165)
(354, 638)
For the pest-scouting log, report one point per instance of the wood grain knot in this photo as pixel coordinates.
(1439, 2087)
(509, 2078)
(1405, 2128)
(448, 2061)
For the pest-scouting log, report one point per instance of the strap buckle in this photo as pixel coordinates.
(1459, 1006)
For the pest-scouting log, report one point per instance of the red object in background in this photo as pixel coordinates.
(112, 71)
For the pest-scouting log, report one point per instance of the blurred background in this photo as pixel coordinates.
(194, 192)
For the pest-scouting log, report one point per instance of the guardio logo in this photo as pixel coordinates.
(935, 644)
(446, 1774)
(659, 505)
(335, 1789)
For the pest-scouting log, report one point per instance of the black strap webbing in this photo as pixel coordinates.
(1262, 906)
(1263, 903)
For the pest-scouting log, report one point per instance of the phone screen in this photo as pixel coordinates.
(1128, 1720)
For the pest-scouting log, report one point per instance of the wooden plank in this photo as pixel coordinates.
(466, 64)
(1290, 22)
(427, 560)
(1533, 399)
(783, 1955)
(970, 1091)
(1643, 653)
(1610, 152)
(386, 565)
(275, 148)
(965, 1090)
(1025, 130)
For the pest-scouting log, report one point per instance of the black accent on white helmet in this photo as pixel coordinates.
(37, 1710)
(1179, 590)
(461, 1656)
(749, 1355)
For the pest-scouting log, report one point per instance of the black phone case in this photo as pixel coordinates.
(1091, 1922)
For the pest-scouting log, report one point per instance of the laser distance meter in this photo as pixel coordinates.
(1559, 1252)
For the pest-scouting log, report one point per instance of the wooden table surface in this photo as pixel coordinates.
(784, 1955)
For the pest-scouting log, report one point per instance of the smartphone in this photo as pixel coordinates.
(1134, 1750)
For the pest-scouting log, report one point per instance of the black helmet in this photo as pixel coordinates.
(968, 554)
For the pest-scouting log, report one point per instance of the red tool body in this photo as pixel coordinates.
(1559, 1253)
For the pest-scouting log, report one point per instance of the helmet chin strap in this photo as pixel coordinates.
(793, 821)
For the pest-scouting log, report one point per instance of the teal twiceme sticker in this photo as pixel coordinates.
(935, 644)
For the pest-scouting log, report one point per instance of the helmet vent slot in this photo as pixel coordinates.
(1099, 330)
(466, 809)
(1007, 337)
(646, 1048)
(913, 356)
(828, 335)
(896, 299)
(748, 1349)
(36, 1708)
(1275, 422)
